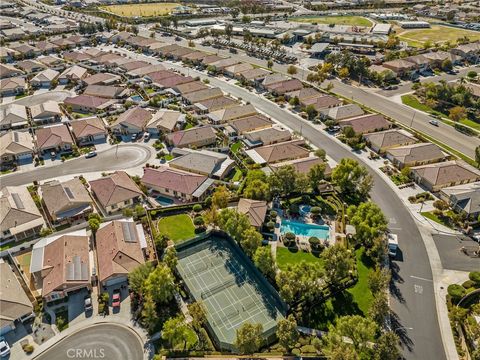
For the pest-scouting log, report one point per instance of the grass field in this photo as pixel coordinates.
(430, 215)
(145, 10)
(177, 227)
(286, 256)
(337, 20)
(437, 33)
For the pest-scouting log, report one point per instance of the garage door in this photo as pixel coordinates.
(116, 281)
(24, 156)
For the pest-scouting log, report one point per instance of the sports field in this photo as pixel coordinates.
(337, 20)
(437, 33)
(141, 10)
(217, 273)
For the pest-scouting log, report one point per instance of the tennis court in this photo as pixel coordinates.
(217, 273)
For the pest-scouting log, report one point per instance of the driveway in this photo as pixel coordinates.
(449, 248)
(102, 341)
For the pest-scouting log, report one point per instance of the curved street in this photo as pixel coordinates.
(103, 341)
(119, 157)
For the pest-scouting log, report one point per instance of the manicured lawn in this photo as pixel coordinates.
(437, 33)
(235, 147)
(360, 292)
(471, 123)
(177, 227)
(168, 157)
(19, 96)
(337, 20)
(431, 216)
(286, 256)
(188, 126)
(153, 9)
(238, 175)
(81, 115)
(413, 102)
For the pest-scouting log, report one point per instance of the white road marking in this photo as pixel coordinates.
(395, 228)
(392, 221)
(418, 289)
(420, 278)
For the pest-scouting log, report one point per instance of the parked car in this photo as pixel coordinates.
(146, 137)
(433, 122)
(88, 303)
(116, 298)
(53, 155)
(91, 154)
(134, 137)
(4, 347)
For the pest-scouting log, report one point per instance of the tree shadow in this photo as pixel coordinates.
(396, 279)
(401, 331)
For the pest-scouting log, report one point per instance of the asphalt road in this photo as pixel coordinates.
(449, 248)
(127, 156)
(412, 301)
(104, 341)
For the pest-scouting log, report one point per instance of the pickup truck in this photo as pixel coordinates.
(392, 244)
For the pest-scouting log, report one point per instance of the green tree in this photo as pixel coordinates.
(138, 276)
(264, 261)
(269, 64)
(249, 338)
(292, 70)
(477, 155)
(343, 73)
(282, 181)
(358, 329)
(287, 332)
(220, 197)
(160, 285)
(321, 153)
(170, 258)
(257, 189)
(178, 334)
(198, 314)
(233, 223)
(316, 174)
(311, 111)
(352, 178)
(378, 280)
(379, 308)
(299, 281)
(149, 314)
(386, 347)
(302, 183)
(368, 220)
(251, 240)
(94, 221)
(338, 262)
(457, 113)
(336, 349)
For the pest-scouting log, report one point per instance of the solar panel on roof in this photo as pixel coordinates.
(129, 233)
(76, 270)
(18, 201)
(69, 193)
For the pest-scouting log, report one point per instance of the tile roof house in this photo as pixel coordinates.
(16, 146)
(415, 154)
(463, 198)
(253, 75)
(88, 104)
(12, 86)
(14, 302)
(73, 73)
(13, 116)
(400, 66)
(274, 79)
(132, 121)
(304, 94)
(140, 72)
(232, 113)
(220, 65)
(194, 137)
(449, 173)
(116, 191)
(120, 249)
(367, 123)
(102, 79)
(304, 165)
(203, 162)
(89, 131)
(66, 202)
(19, 215)
(343, 112)
(31, 66)
(236, 70)
(46, 112)
(210, 59)
(321, 103)
(215, 104)
(7, 71)
(53, 138)
(384, 140)
(172, 81)
(202, 95)
(255, 210)
(289, 150)
(268, 136)
(177, 183)
(44, 78)
(251, 123)
(165, 121)
(106, 91)
(190, 87)
(283, 87)
(61, 264)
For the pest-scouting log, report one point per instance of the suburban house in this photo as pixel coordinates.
(7, 71)
(132, 121)
(282, 87)
(14, 302)
(343, 112)
(172, 81)
(47, 112)
(220, 65)
(202, 95)
(19, 216)
(12, 86)
(321, 103)
(231, 113)
(445, 174)
(31, 66)
(463, 198)
(13, 116)
(384, 140)
(211, 105)
(253, 76)
(88, 104)
(55, 138)
(304, 94)
(268, 136)
(203, 162)
(44, 78)
(165, 121)
(116, 192)
(175, 183)
(235, 70)
(141, 72)
(61, 264)
(469, 51)
(367, 123)
(415, 155)
(194, 137)
(89, 131)
(193, 86)
(72, 74)
(66, 202)
(256, 211)
(120, 249)
(400, 67)
(103, 78)
(251, 123)
(271, 79)
(304, 165)
(16, 147)
(289, 150)
(106, 91)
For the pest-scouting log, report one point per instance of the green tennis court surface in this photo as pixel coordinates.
(217, 273)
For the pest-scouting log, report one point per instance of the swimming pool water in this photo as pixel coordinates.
(164, 201)
(308, 230)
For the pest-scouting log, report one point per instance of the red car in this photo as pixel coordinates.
(116, 298)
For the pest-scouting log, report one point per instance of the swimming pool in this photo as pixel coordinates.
(137, 98)
(307, 230)
(164, 201)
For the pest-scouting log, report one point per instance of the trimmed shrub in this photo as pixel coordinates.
(198, 221)
(316, 210)
(197, 208)
(273, 214)
(475, 277)
(270, 225)
(456, 292)
(468, 284)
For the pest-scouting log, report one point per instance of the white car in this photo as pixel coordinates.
(433, 122)
(4, 347)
